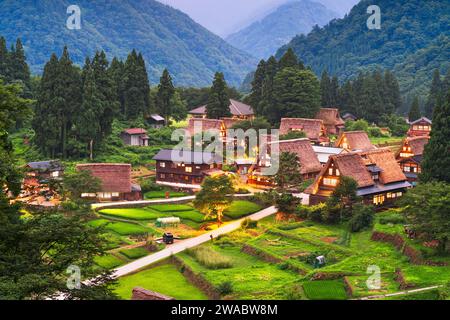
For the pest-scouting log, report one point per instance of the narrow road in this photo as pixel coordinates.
(189, 243)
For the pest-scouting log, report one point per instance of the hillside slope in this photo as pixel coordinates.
(414, 39)
(263, 38)
(166, 37)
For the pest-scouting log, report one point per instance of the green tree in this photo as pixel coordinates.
(164, 96)
(288, 60)
(414, 111)
(296, 94)
(256, 93)
(259, 123)
(436, 160)
(266, 104)
(218, 101)
(214, 197)
(435, 92)
(78, 183)
(344, 196)
(288, 175)
(426, 209)
(178, 106)
(287, 203)
(362, 217)
(325, 84)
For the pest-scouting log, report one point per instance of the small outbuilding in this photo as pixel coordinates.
(135, 137)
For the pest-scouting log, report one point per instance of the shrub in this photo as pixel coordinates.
(314, 213)
(266, 198)
(358, 125)
(287, 203)
(249, 224)
(209, 258)
(148, 185)
(375, 132)
(225, 288)
(242, 191)
(389, 217)
(294, 293)
(362, 218)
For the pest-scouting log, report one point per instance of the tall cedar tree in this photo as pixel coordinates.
(436, 160)
(218, 100)
(116, 73)
(288, 175)
(266, 104)
(257, 87)
(297, 93)
(164, 96)
(13, 66)
(288, 60)
(3, 59)
(414, 111)
(136, 87)
(435, 91)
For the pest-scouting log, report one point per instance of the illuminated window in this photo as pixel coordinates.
(88, 195)
(378, 199)
(330, 182)
(162, 164)
(330, 171)
(55, 174)
(115, 194)
(338, 173)
(189, 169)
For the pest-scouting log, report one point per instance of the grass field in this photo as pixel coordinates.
(134, 253)
(151, 195)
(108, 261)
(127, 229)
(165, 279)
(241, 208)
(325, 290)
(171, 207)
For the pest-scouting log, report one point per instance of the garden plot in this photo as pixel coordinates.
(359, 287)
(325, 290)
(249, 277)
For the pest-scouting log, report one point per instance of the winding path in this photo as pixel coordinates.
(189, 243)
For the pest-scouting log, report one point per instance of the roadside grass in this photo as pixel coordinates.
(165, 279)
(241, 208)
(108, 261)
(426, 295)
(325, 290)
(134, 253)
(210, 258)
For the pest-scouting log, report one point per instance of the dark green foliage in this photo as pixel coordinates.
(196, 97)
(436, 159)
(289, 60)
(168, 38)
(293, 135)
(414, 111)
(329, 88)
(412, 42)
(287, 203)
(80, 182)
(225, 288)
(427, 210)
(218, 100)
(297, 93)
(13, 66)
(249, 224)
(288, 175)
(257, 124)
(433, 96)
(396, 124)
(164, 96)
(362, 218)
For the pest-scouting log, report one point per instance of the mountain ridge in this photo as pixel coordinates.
(167, 37)
(263, 37)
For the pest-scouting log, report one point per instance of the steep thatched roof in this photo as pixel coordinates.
(355, 140)
(313, 128)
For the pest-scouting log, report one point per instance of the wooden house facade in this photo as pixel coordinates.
(135, 137)
(420, 127)
(185, 169)
(410, 157)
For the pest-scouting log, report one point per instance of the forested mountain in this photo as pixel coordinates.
(165, 36)
(262, 38)
(414, 39)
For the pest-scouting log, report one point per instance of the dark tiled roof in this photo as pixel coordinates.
(50, 165)
(237, 108)
(187, 156)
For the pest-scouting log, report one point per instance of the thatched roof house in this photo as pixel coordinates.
(354, 141)
(314, 129)
(237, 109)
(410, 156)
(379, 177)
(331, 119)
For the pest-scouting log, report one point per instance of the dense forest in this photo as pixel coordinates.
(165, 36)
(412, 42)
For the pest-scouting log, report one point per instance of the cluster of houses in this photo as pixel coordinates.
(382, 175)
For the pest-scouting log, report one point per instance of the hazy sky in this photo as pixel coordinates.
(227, 16)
